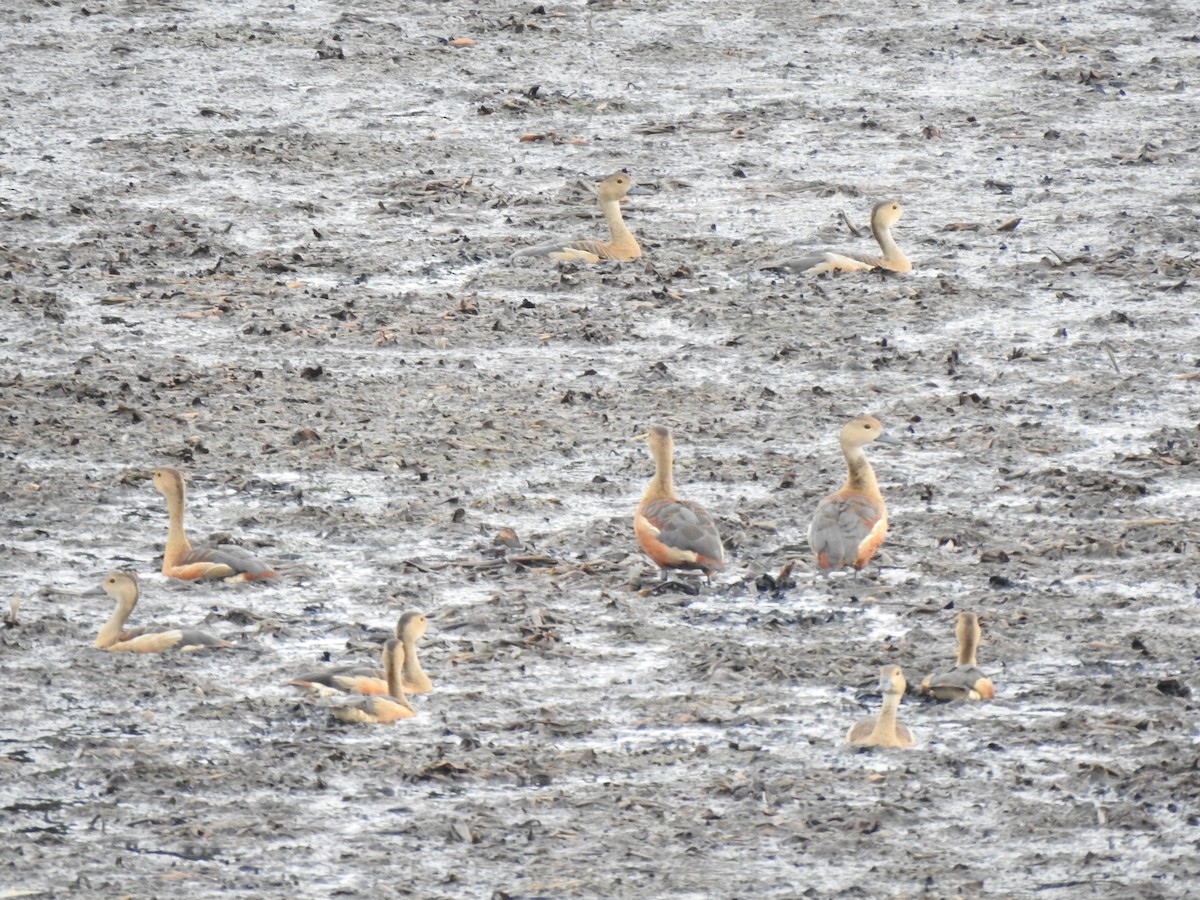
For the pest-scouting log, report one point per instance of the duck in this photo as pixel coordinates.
(676, 534)
(883, 216)
(965, 681)
(849, 525)
(410, 627)
(123, 588)
(885, 731)
(380, 709)
(369, 680)
(621, 246)
(183, 561)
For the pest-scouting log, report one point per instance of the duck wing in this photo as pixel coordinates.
(840, 527)
(238, 559)
(687, 527)
(961, 683)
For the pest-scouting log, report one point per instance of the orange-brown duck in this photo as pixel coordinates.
(883, 216)
(621, 245)
(123, 588)
(183, 561)
(676, 534)
(965, 681)
(884, 731)
(369, 680)
(380, 709)
(849, 525)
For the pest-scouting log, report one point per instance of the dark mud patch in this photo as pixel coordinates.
(270, 244)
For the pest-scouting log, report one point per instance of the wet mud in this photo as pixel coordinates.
(270, 244)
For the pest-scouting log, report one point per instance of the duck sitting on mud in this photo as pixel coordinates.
(965, 681)
(410, 627)
(369, 680)
(884, 731)
(380, 709)
(676, 534)
(183, 561)
(123, 588)
(621, 246)
(883, 216)
(850, 524)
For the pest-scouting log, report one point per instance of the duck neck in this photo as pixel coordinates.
(620, 234)
(177, 541)
(111, 630)
(859, 474)
(892, 254)
(413, 673)
(885, 725)
(661, 486)
(966, 653)
(395, 681)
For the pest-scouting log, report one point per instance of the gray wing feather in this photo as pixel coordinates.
(686, 526)
(237, 558)
(840, 526)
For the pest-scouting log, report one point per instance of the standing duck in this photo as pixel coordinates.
(849, 525)
(183, 561)
(380, 709)
(676, 534)
(965, 681)
(883, 216)
(123, 588)
(884, 731)
(369, 680)
(621, 246)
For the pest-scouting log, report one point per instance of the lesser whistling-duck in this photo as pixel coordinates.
(883, 216)
(410, 627)
(676, 534)
(369, 680)
(182, 560)
(621, 246)
(965, 681)
(849, 525)
(123, 588)
(380, 709)
(884, 731)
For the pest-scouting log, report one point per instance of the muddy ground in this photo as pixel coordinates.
(269, 242)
